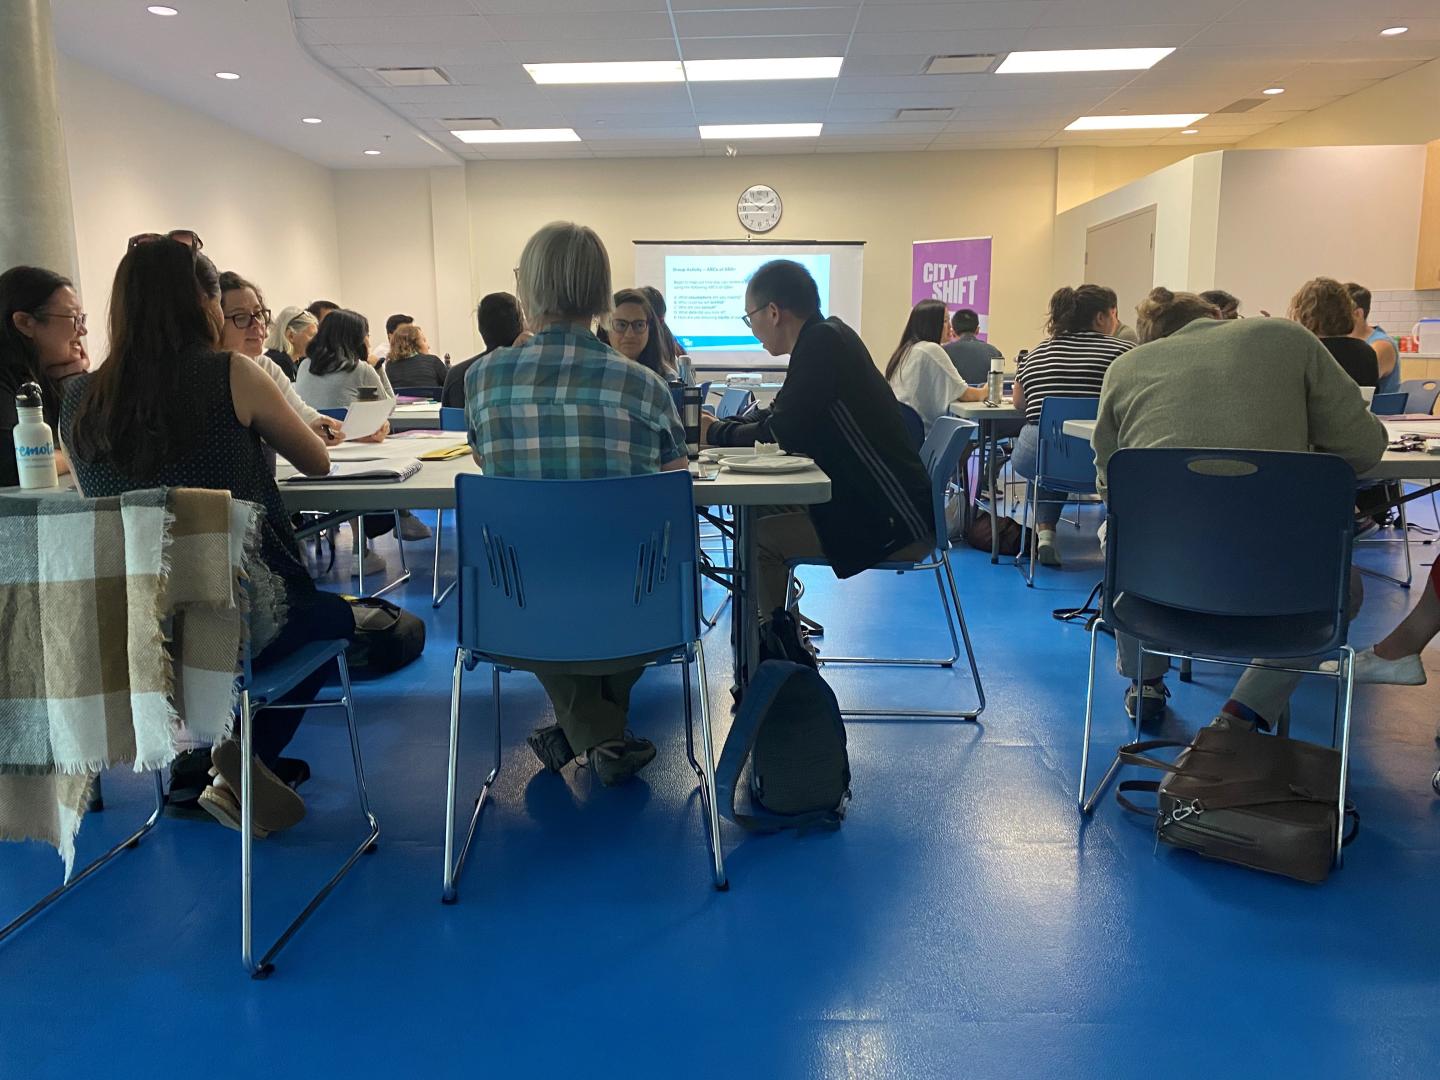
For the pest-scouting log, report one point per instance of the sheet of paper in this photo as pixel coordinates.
(365, 417)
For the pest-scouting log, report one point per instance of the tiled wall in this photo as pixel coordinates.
(1398, 310)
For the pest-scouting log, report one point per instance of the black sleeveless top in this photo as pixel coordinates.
(230, 458)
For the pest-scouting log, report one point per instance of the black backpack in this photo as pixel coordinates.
(387, 637)
(789, 729)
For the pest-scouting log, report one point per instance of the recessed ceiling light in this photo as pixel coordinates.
(788, 67)
(621, 71)
(1190, 131)
(161, 9)
(1029, 63)
(310, 119)
(1274, 90)
(759, 131)
(516, 135)
(228, 75)
(1134, 122)
(372, 153)
(1389, 31)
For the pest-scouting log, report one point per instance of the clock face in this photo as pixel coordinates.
(759, 208)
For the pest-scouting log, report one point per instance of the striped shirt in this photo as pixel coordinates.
(1066, 365)
(565, 406)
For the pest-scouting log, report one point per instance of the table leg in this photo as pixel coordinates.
(987, 430)
(745, 620)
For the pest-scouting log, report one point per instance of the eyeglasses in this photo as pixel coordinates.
(746, 317)
(79, 320)
(243, 319)
(627, 326)
(189, 237)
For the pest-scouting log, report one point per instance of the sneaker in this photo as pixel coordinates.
(372, 562)
(1045, 551)
(277, 807)
(1149, 699)
(551, 747)
(1407, 671)
(412, 528)
(1225, 722)
(618, 760)
(222, 804)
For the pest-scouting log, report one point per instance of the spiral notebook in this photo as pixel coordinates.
(392, 471)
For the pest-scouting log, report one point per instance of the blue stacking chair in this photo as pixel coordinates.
(434, 393)
(941, 456)
(1389, 404)
(357, 526)
(451, 419)
(914, 425)
(734, 402)
(260, 688)
(1420, 394)
(521, 579)
(1184, 582)
(1395, 404)
(1065, 463)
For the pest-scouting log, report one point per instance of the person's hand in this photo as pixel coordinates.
(328, 430)
(379, 436)
(524, 338)
(73, 365)
(705, 421)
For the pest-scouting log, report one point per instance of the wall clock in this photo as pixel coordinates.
(759, 208)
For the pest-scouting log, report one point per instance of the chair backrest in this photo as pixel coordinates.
(1066, 463)
(940, 455)
(434, 393)
(527, 591)
(734, 401)
(333, 414)
(1388, 404)
(451, 418)
(1177, 535)
(1420, 394)
(914, 425)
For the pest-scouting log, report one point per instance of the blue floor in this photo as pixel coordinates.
(963, 923)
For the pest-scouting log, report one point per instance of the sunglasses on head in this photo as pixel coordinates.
(189, 237)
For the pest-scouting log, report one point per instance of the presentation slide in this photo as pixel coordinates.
(704, 286)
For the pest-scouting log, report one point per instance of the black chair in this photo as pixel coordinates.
(914, 426)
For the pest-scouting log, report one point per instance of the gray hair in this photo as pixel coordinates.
(564, 272)
(292, 318)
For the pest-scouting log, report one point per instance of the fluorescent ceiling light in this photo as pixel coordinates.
(1190, 131)
(1030, 63)
(791, 67)
(161, 9)
(228, 75)
(1135, 122)
(516, 135)
(1275, 90)
(1389, 31)
(759, 131)
(372, 153)
(310, 119)
(622, 71)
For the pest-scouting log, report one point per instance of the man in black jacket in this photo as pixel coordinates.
(837, 408)
(498, 316)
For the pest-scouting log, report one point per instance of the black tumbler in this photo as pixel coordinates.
(690, 417)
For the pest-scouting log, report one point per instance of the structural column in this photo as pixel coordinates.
(37, 224)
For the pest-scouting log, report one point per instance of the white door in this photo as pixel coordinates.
(1121, 255)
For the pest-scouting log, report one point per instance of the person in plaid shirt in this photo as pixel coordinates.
(565, 406)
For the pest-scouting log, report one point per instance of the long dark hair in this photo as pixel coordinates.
(339, 344)
(653, 355)
(1073, 311)
(24, 289)
(926, 323)
(134, 414)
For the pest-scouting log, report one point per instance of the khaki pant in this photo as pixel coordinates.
(786, 535)
(592, 700)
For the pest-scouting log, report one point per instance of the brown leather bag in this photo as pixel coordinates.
(977, 535)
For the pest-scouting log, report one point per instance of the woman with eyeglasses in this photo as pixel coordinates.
(170, 407)
(42, 340)
(635, 333)
(290, 334)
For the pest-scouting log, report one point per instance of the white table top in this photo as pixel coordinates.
(433, 487)
(1393, 466)
(978, 410)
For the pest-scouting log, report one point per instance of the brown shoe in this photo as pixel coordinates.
(277, 806)
(220, 803)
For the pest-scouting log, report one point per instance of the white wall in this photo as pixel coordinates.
(1287, 215)
(139, 163)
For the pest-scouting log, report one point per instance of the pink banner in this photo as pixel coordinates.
(956, 272)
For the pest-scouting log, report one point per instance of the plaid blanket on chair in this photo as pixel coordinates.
(88, 590)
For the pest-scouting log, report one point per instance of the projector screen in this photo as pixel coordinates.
(704, 287)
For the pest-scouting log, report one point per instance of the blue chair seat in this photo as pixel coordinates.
(273, 681)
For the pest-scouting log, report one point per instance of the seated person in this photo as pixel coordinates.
(1325, 308)
(411, 363)
(919, 371)
(498, 316)
(670, 350)
(834, 407)
(42, 340)
(290, 334)
(563, 406)
(1386, 355)
(393, 323)
(968, 353)
(168, 407)
(1070, 363)
(635, 333)
(1195, 383)
(1226, 303)
(339, 369)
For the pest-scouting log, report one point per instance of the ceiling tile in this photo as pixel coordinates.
(746, 48)
(932, 18)
(941, 44)
(613, 26)
(560, 52)
(400, 30)
(305, 9)
(801, 22)
(1108, 13)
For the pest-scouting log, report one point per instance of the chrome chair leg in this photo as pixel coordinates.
(133, 840)
(263, 968)
(708, 796)
(437, 597)
(1087, 802)
(1347, 675)
(453, 868)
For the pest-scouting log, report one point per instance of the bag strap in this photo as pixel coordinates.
(1152, 786)
(1135, 754)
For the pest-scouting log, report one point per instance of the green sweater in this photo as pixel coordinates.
(1245, 384)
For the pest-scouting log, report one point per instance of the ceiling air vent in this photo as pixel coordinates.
(921, 115)
(413, 76)
(963, 64)
(1243, 105)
